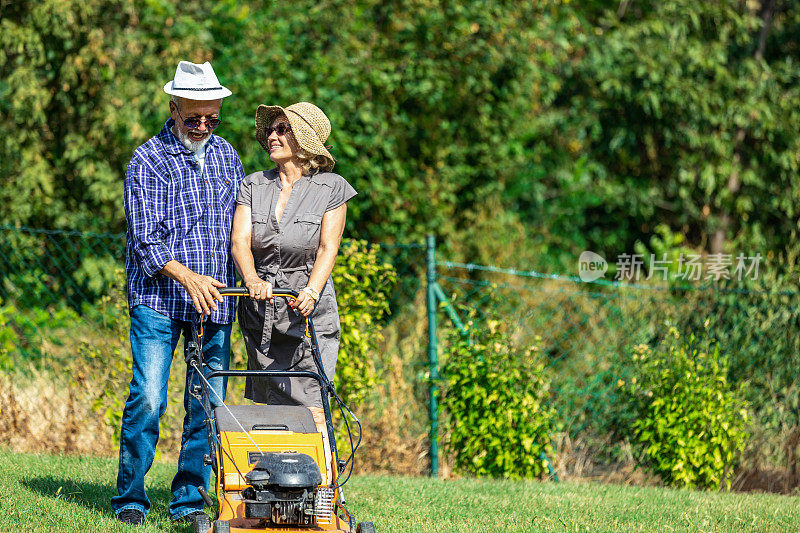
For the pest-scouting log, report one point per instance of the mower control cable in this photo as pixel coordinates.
(342, 406)
(194, 364)
(210, 416)
(330, 389)
(217, 395)
(231, 413)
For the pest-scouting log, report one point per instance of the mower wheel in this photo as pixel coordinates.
(201, 523)
(365, 527)
(222, 526)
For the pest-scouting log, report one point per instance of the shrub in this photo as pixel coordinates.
(691, 423)
(363, 286)
(498, 422)
(8, 337)
(759, 320)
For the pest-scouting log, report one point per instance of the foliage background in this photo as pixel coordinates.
(592, 123)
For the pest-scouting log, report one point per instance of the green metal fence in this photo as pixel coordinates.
(52, 282)
(587, 331)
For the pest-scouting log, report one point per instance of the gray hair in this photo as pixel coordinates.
(178, 99)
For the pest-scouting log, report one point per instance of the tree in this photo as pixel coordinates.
(80, 86)
(671, 115)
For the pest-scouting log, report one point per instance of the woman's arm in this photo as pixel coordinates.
(243, 255)
(330, 237)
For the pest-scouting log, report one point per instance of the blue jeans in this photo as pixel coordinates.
(153, 340)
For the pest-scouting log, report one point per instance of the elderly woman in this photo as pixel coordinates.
(287, 228)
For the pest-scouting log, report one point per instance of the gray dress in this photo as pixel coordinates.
(284, 253)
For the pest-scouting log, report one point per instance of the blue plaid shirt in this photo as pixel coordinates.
(173, 212)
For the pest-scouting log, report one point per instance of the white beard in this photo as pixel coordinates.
(191, 145)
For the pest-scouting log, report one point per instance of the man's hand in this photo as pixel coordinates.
(202, 289)
(203, 292)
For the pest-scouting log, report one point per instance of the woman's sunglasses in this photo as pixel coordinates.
(194, 122)
(281, 129)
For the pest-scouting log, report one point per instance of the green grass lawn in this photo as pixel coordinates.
(53, 493)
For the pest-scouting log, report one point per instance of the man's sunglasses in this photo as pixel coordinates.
(281, 129)
(194, 122)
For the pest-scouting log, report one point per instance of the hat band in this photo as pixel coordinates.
(195, 88)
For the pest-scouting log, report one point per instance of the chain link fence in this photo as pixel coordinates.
(587, 332)
(55, 310)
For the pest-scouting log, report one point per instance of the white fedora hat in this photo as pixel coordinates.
(196, 82)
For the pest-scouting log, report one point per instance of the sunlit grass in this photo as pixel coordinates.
(59, 493)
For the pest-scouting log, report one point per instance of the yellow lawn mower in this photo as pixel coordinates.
(271, 470)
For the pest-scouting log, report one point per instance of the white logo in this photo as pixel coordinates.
(591, 266)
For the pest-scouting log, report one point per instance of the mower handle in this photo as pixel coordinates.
(326, 386)
(242, 291)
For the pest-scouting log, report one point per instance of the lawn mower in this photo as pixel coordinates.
(269, 460)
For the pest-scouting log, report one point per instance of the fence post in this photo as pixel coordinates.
(433, 362)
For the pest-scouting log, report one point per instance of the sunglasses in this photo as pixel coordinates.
(281, 129)
(194, 122)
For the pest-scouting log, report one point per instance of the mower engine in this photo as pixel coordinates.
(283, 488)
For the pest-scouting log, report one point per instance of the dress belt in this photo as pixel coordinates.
(272, 270)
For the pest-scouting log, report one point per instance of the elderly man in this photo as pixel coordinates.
(180, 188)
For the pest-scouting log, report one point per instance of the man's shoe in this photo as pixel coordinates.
(133, 517)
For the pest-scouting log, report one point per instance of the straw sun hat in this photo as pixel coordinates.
(310, 127)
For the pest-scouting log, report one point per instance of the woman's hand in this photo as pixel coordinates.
(259, 289)
(304, 304)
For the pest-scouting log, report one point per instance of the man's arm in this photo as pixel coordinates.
(145, 207)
